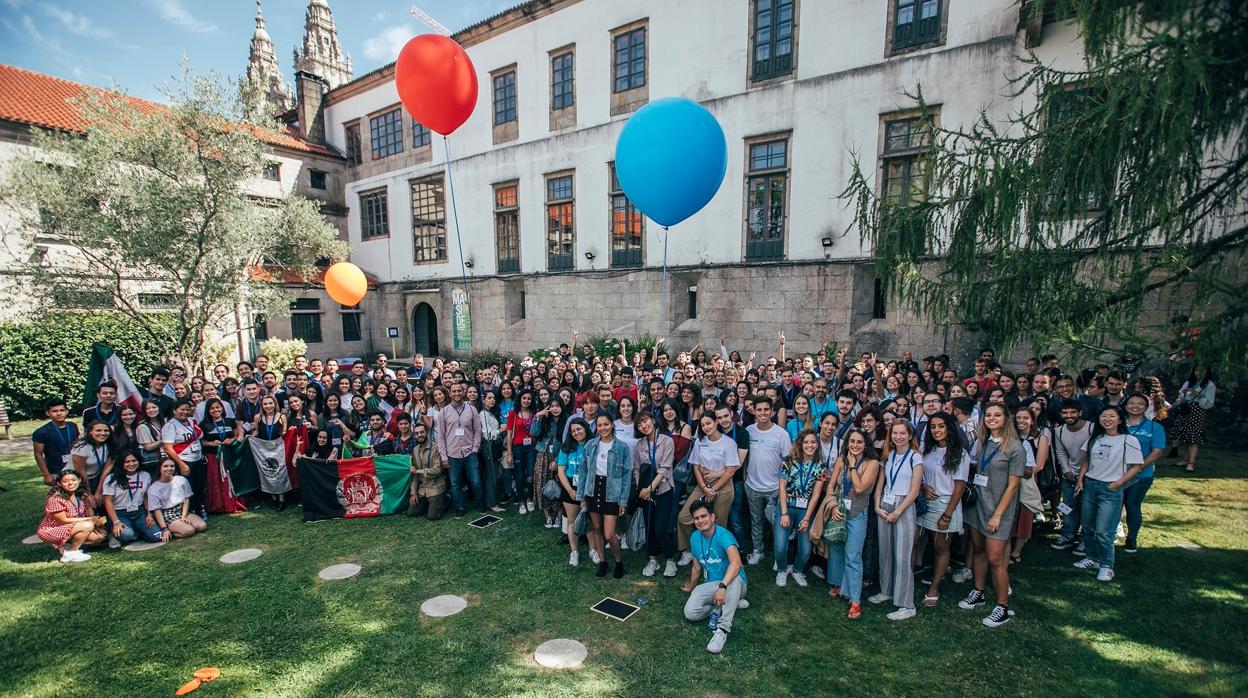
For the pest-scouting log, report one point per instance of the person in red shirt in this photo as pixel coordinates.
(623, 385)
(981, 379)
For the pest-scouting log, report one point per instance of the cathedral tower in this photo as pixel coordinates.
(263, 73)
(322, 54)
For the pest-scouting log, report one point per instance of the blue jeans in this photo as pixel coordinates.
(523, 459)
(762, 508)
(845, 559)
(461, 467)
(736, 518)
(1102, 510)
(1070, 522)
(134, 525)
(780, 540)
(1133, 500)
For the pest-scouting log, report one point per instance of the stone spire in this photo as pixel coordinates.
(263, 73)
(322, 55)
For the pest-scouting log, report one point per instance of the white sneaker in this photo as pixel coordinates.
(879, 598)
(716, 645)
(1106, 574)
(902, 614)
(593, 556)
(623, 542)
(548, 522)
(685, 558)
(818, 572)
(782, 577)
(523, 510)
(1087, 563)
(754, 558)
(650, 568)
(74, 556)
(742, 604)
(532, 507)
(799, 578)
(113, 543)
(1121, 533)
(962, 575)
(669, 570)
(575, 558)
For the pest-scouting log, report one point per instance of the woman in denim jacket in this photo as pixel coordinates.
(605, 494)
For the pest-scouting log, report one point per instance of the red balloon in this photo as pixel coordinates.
(437, 82)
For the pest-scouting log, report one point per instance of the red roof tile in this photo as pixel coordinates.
(290, 277)
(36, 99)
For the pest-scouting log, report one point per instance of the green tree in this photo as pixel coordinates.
(160, 200)
(1121, 191)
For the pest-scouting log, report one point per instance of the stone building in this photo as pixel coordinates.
(551, 244)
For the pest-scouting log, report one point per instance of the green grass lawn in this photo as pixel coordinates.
(138, 624)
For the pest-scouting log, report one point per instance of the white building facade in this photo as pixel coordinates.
(799, 87)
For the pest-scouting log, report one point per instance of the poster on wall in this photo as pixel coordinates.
(461, 317)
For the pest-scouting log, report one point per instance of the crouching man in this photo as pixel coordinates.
(428, 489)
(717, 561)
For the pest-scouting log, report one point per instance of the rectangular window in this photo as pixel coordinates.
(157, 300)
(420, 135)
(354, 149)
(766, 186)
(523, 300)
(351, 324)
(915, 22)
(428, 220)
(906, 141)
(273, 171)
(507, 226)
(505, 97)
(562, 83)
(316, 179)
(773, 38)
(374, 214)
(1088, 191)
(693, 302)
(386, 132)
(629, 60)
(305, 304)
(878, 305)
(260, 328)
(626, 225)
(306, 326)
(560, 234)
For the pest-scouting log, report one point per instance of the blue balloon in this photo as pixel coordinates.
(670, 159)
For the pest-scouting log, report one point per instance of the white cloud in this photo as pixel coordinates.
(85, 27)
(175, 13)
(386, 45)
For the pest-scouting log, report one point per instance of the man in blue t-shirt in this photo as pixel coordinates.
(717, 560)
(53, 440)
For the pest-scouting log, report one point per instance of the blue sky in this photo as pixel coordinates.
(137, 44)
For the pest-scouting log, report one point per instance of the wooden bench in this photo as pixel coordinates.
(4, 420)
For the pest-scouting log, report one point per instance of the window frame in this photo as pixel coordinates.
(422, 137)
(313, 174)
(366, 198)
(513, 109)
(932, 38)
(773, 74)
(560, 230)
(272, 171)
(632, 95)
(504, 214)
(357, 318)
(426, 230)
(763, 249)
(385, 132)
(910, 154)
(623, 256)
(353, 143)
(306, 312)
(557, 80)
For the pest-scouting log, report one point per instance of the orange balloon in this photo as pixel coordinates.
(345, 283)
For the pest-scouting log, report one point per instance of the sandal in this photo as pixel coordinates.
(1015, 559)
(834, 592)
(1191, 468)
(930, 600)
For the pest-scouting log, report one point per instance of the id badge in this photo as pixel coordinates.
(802, 503)
(459, 431)
(65, 461)
(528, 441)
(576, 481)
(890, 499)
(847, 503)
(1064, 508)
(981, 480)
(337, 442)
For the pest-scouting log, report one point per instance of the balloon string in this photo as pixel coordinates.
(667, 310)
(459, 240)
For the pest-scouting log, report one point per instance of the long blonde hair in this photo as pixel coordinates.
(1009, 433)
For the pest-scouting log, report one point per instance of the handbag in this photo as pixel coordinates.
(920, 505)
(970, 495)
(835, 531)
(552, 490)
(637, 530)
(581, 525)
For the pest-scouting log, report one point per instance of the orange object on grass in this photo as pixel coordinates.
(208, 673)
(189, 687)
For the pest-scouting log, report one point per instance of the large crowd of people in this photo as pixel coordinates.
(862, 472)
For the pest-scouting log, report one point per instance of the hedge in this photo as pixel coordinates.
(48, 357)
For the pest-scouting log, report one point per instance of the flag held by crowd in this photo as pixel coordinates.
(354, 487)
(106, 366)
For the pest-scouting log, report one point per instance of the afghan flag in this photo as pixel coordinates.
(106, 366)
(354, 487)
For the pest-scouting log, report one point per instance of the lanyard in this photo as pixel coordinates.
(65, 435)
(830, 454)
(78, 507)
(219, 427)
(894, 472)
(991, 454)
(112, 416)
(400, 447)
(100, 453)
(653, 446)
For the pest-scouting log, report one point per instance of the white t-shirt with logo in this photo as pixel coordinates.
(163, 495)
(1111, 456)
(715, 456)
(131, 496)
(600, 467)
(175, 432)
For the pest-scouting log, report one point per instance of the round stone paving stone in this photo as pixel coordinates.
(141, 545)
(560, 654)
(442, 606)
(244, 555)
(31, 540)
(343, 571)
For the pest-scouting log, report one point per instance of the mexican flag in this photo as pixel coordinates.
(263, 465)
(106, 366)
(354, 487)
